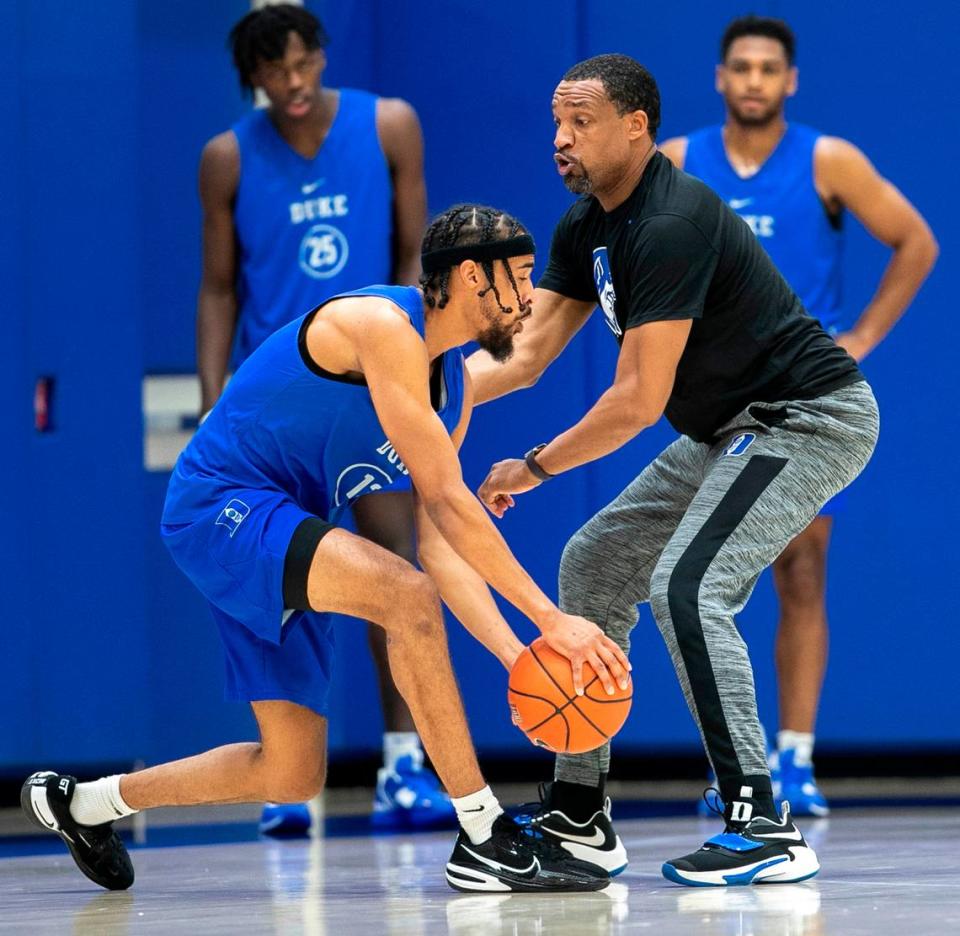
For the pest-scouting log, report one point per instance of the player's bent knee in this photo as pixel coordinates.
(800, 576)
(660, 585)
(579, 561)
(298, 779)
(416, 609)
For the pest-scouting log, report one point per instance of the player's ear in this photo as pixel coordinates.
(793, 80)
(719, 79)
(469, 273)
(638, 125)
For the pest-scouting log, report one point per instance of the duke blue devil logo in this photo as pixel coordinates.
(739, 444)
(233, 515)
(603, 280)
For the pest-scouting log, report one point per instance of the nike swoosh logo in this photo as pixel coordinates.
(793, 836)
(737, 203)
(533, 868)
(311, 187)
(595, 840)
(478, 809)
(35, 801)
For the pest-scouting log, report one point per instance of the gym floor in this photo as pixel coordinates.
(887, 870)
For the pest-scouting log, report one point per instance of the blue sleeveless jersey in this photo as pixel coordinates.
(282, 426)
(782, 207)
(309, 229)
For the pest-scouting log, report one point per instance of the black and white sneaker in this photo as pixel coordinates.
(750, 850)
(45, 798)
(594, 841)
(518, 859)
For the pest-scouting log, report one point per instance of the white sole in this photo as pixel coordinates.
(778, 870)
(470, 879)
(612, 861)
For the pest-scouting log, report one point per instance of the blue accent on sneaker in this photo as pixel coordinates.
(410, 796)
(799, 787)
(734, 842)
(747, 877)
(285, 820)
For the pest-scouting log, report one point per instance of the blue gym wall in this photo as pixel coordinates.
(108, 654)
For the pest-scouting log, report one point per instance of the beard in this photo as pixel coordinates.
(497, 340)
(578, 184)
(758, 119)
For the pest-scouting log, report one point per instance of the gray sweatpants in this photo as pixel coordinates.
(692, 534)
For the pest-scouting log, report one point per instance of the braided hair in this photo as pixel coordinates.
(462, 226)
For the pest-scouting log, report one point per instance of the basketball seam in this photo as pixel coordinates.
(550, 676)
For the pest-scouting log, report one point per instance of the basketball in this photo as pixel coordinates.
(544, 706)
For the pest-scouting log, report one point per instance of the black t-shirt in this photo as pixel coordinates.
(674, 250)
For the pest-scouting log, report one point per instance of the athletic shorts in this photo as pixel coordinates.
(234, 552)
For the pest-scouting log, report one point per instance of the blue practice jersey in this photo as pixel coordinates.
(782, 207)
(284, 425)
(309, 229)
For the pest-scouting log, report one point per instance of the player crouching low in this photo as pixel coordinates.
(368, 388)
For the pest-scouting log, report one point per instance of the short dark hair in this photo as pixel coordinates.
(262, 34)
(461, 226)
(628, 84)
(767, 26)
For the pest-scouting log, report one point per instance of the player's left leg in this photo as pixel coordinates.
(800, 578)
(408, 794)
(288, 764)
(754, 500)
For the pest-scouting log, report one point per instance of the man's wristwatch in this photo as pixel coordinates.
(531, 461)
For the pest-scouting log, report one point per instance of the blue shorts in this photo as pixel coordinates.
(234, 553)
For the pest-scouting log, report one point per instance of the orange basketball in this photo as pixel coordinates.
(545, 708)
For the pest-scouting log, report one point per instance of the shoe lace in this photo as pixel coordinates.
(543, 846)
(531, 814)
(713, 801)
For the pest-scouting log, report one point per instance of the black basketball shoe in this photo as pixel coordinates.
(750, 850)
(45, 798)
(594, 841)
(517, 859)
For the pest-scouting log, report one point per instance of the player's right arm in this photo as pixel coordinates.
(675, 150)
(555, 320)
(217, 300)
(393, 359)
(462, 590)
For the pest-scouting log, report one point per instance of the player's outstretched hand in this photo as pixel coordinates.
(504, 479)
(581, 641)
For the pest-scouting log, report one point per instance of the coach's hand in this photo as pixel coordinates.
(505, 479)
(581, 641)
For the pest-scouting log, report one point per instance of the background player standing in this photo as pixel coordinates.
(792, 185)
(318, 193)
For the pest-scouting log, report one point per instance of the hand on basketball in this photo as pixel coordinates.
(581, 641)
(505, 479)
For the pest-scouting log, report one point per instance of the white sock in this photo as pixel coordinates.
(397, 744)
(99, 801)
(477, 813)
(799, 741)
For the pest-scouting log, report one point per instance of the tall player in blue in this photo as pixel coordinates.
(792, 185)
(367, 390)
(318, 193)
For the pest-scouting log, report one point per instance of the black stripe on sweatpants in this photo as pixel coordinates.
(682, 595)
